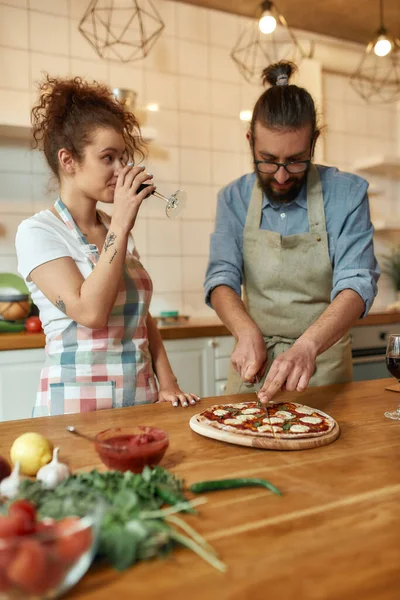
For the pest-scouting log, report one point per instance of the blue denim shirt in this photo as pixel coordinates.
(348, 224)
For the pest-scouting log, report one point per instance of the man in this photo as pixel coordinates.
(300, 241)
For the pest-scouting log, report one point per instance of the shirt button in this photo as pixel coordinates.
(283, 215)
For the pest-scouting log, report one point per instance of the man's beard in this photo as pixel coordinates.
(284, 196)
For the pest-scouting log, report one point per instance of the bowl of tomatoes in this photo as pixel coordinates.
(44, 558)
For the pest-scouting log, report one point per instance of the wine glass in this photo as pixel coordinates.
(393, 366)
(175, 203)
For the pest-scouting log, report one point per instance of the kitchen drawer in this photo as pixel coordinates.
(223, 346)
(220, 387)
(222, 367)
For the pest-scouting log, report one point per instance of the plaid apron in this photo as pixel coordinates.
(90, 369)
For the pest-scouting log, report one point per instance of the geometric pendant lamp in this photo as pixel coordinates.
(268, 39)
(377, 77)
(123, 30)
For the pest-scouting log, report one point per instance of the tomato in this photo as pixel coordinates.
(7, 554)
(69, 546)
(4, 582)
(23, 513)
(9, 526)
(28, 570)
(25, 507)
(33, 325)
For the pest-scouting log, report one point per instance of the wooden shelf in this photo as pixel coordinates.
(384, 166)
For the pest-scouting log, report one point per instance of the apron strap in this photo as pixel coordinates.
(90, 250)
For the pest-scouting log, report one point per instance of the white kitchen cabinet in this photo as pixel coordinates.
(19, 380)
(201, 364)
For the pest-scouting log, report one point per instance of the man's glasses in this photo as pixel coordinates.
(292, 167)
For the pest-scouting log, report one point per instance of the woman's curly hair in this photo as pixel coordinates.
(70, 110)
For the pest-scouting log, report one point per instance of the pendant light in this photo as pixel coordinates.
(267, 39)
(377, 77)
(123, 30)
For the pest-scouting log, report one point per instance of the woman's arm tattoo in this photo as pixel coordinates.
(60, 305)
(110, 239)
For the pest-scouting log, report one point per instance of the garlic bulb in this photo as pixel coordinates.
(53, 473)
(9, 487)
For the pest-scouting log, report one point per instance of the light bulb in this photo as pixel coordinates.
(267, 23)
(245, 115)
(153, 107)
(382, 46)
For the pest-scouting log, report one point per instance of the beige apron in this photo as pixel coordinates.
(287, 285)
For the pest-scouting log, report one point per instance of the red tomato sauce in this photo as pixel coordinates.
(129, 452)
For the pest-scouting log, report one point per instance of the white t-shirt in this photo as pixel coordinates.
(42, 238)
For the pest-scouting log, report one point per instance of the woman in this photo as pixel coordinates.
(103, 348)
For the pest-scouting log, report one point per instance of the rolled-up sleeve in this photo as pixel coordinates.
(225, 265)
(355, 265)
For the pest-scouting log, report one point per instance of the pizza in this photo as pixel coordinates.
(287, 420)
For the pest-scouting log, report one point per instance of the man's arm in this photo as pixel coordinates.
(250, 355)
(295, 367)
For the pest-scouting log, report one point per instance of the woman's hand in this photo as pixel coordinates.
(127, 200)
(174, 394)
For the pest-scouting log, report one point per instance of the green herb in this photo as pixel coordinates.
(227, 484)
(287, 425)
(134, 526)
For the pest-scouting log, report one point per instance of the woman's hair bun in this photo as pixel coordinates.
(278, 73)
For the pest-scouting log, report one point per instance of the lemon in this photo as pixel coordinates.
(32, 450)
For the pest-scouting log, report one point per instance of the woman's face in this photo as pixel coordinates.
(104, 157)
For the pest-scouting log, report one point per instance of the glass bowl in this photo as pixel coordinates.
(131, 448)
(50, 561)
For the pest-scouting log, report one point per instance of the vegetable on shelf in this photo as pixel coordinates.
(33, 325)
(228, 484)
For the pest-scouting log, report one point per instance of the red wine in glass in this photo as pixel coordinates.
(393, 366)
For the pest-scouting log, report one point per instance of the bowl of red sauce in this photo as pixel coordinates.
(131, 448)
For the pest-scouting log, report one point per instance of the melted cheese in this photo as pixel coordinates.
(251, 411)
(220, 413)
(284, 414)
(246, 417)
(299, 429)
(304, 410)
(274, 420)
(265, 428)
(312, 420)
(232, 422)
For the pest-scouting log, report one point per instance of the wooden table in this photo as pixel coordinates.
(335, 533)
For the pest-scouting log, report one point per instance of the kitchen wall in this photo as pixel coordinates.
(200, 144)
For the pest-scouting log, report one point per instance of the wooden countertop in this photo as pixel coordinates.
(333, 534)
(192, 328)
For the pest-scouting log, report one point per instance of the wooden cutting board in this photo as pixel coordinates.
(264, 443)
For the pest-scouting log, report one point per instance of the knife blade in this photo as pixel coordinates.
(257, 386)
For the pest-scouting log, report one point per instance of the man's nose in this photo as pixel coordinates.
(281, 176)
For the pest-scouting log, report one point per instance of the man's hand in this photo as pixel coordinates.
(292, 370)
(249, 358)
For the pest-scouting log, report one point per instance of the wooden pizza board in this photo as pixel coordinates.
(263, 443)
